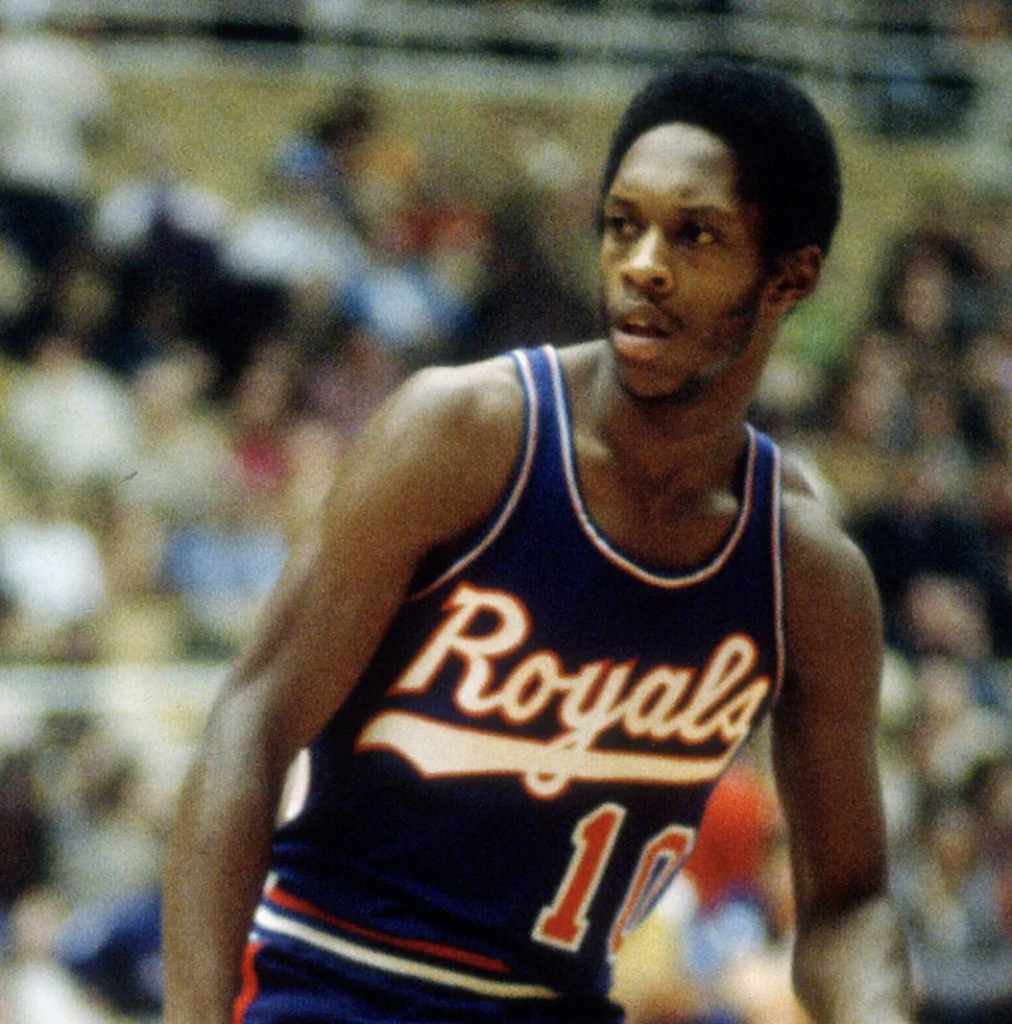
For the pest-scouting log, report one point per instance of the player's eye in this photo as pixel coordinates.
(698, 234)
(619, 225)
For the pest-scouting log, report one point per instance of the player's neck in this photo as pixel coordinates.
(691, 446)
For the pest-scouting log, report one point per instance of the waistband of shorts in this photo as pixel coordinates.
(281, 913)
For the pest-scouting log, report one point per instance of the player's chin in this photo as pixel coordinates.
(671, 389)
(643, 378)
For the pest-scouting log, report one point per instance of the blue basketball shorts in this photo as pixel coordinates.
(288, 982)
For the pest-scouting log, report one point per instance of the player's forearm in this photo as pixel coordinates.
(854, 968)
(214, 875)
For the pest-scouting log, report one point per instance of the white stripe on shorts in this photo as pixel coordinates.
(270, 921)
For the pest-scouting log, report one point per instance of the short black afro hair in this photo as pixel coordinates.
(786, 156)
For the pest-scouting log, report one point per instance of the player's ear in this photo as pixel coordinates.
(795, 276)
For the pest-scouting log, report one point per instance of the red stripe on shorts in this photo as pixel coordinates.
(460, 956)
(250, 983)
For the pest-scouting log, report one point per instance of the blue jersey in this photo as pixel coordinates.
(524, 765)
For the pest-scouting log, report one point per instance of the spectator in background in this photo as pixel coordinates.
(182, 447)
(108, 832)
(349, 378)
(925, 296)
(924, 530)
(950, 888)
(958, 728)
(34, 986)
(260, 413)
(162, 236)
(153, 197)
(989, 235)
(540, 274)
(78, 297)
(55, 102)
(750, 942)
(220, 569)
(399, 300)
(26, 842)
(987, 382)
(68, 417)
(740, 820)
(288, 258)
(51, 572)
(866, 411)
(296, 236)
(990, 793)
(525, 296)
(341, 134)
(80, 945)
(307, 229)
(111, 845)
(114, 953)
(412, 292)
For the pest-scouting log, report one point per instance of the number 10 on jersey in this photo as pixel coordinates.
(564, 922)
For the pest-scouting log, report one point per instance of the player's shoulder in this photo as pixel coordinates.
(832, 613)
(436, 456)
(449, 435)
(822, 562)
(485, 396)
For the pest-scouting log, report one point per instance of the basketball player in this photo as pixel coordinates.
(551, 596)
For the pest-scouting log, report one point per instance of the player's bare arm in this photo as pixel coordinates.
(412, 483)
(850, 963)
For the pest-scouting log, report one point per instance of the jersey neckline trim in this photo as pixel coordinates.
(600, 541)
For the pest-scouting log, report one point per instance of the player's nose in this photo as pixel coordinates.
(647, 266)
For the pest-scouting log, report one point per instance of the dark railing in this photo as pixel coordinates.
(904, 66)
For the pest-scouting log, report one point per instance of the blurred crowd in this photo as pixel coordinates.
(179, 380)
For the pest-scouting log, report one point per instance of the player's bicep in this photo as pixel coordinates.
(825, 726)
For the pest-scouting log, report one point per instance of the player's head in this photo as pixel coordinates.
(784, 149)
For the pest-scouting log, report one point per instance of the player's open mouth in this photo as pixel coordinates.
(640, 336)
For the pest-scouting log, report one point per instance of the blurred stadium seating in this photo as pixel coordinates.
(205, 313)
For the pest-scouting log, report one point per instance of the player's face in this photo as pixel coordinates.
(683, 273)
